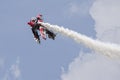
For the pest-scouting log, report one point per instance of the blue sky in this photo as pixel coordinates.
(40, 61)
(21, 54)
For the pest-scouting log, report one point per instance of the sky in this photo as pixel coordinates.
(21, 58)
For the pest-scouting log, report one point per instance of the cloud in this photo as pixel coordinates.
(91, 66)
(106, 14)
(74, 8)
(80, 8)
(15, 70)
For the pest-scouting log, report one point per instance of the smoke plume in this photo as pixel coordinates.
(109, 49)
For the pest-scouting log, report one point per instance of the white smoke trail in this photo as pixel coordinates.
(110, 50)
